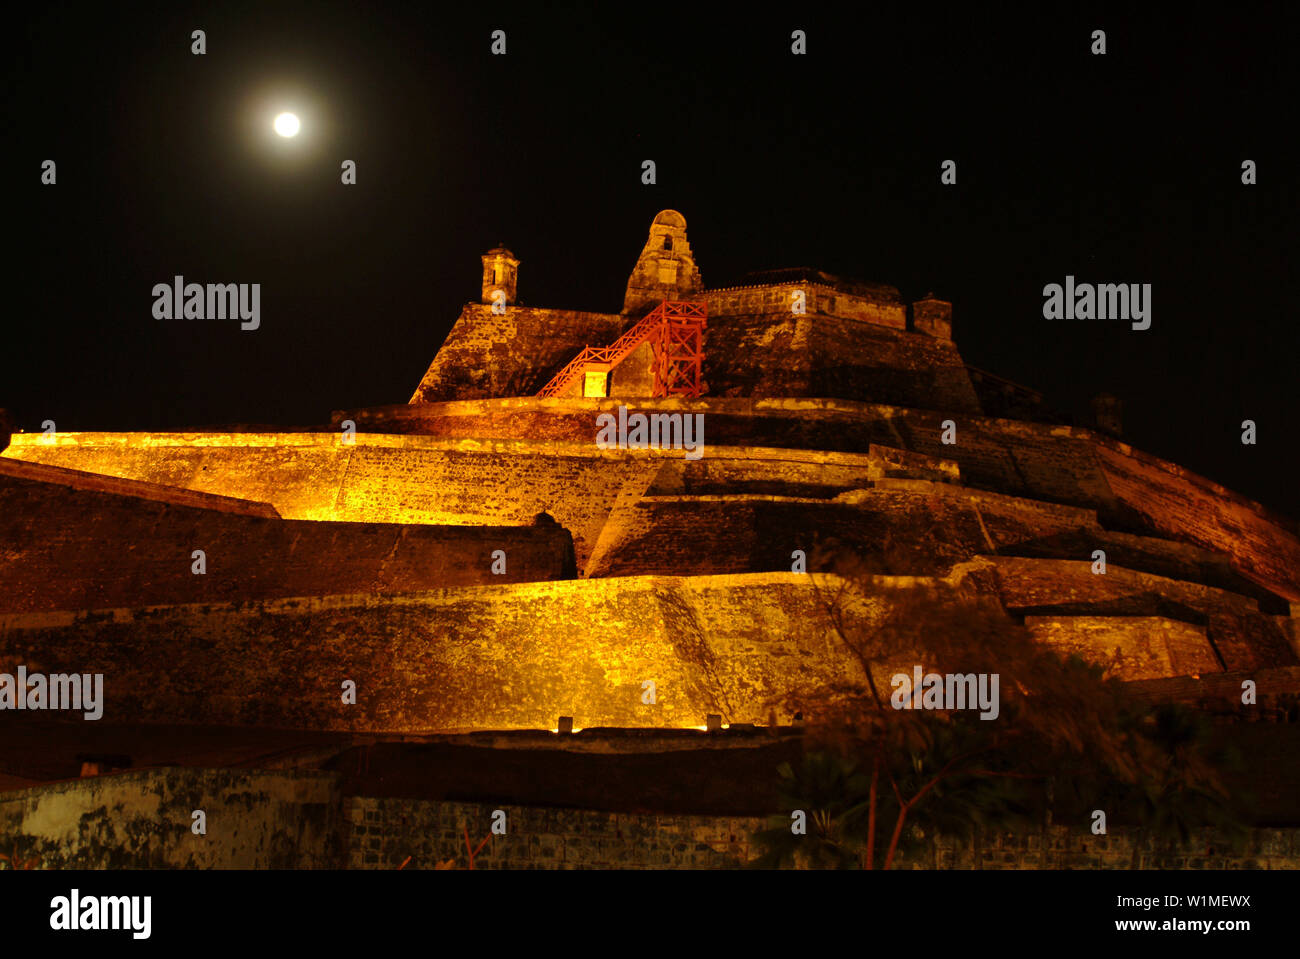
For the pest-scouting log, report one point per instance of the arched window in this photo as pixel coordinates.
(668, 243)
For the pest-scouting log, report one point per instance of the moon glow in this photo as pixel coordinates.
(286, 124)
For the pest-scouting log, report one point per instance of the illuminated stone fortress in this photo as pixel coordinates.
(355, 644)
(472, 560)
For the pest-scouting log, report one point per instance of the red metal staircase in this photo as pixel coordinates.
(675, 331)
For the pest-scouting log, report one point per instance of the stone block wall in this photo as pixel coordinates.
(1177, 502)
(75, 549)
(379, 479)
(492, 480)
(875, 364)
(144, 819)
(512, 657)
(15, 472)
(1240, 635)
(743, 646)
(1133, 647)
(418, 479)
(709, 534)
(300, 820)
(1063, 847)
(883, 310)
(833, 357)
(844, 345)
(511, 354)
(1276, 691)
(384, 832)
(1056, 464)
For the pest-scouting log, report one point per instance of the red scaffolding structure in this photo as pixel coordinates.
(675, 331)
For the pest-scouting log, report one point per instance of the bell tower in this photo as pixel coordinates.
(665, 270)
(500, 272)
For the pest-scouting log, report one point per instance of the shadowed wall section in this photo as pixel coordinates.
(380, 479)
(539, 455)
(142, 820)
(1131, 490)
(299, 819)
(513, 353)
(510, 657)
(419, 479)
(833, 357)
(1239, 634)
(68, 547)
(745, 646)
(846, 345)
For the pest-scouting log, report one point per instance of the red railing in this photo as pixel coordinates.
(675, 329)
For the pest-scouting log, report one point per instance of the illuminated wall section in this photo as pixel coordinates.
(517, 656)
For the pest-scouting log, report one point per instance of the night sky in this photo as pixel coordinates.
(1123, 168)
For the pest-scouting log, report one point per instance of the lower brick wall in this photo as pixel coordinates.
(384, 832)
(294, 820)
(143, 819)
(1073, 848)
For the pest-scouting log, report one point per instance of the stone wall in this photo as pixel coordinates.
(422, 480)
(775, 299)
(1240, 635)
(511, 354)
(13, 472)
(1133, 647)
(510, 657)
(379, 479)
(1170, 499)
(1073, 848)
(1276, 692)
(634, 378)
(300, 820)
(914, 527)
(1134, 491)
(448, 479)
(385, 832)
(766, 355)
(1031, 460)
(74, 549)
(143, 820)
(845, 346)
(923, 530)
(518, 656)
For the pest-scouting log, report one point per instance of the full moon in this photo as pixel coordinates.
(286, 124)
